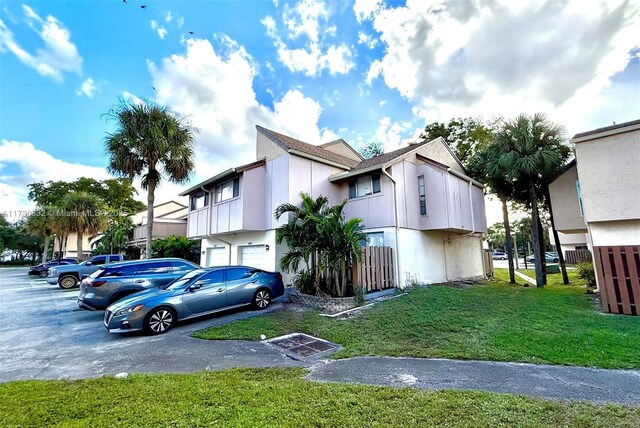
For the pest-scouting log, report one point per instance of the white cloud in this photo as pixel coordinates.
(214, 90)
(128, 96)
(162, 32)
(367, 40)
(88, 88)
(468, 58)
(35, 165)
(301, 44)
(59, 54)
(180, 22)
(168, 16)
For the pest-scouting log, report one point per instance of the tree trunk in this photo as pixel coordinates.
(535, 235)
(543, 260)
(46, 248)
(508, 241)
(151, 188)
(556, 239)
(79, 247)
(60, 239)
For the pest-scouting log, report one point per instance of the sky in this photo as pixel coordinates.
(363, 70)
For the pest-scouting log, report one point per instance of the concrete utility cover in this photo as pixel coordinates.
(302, 346)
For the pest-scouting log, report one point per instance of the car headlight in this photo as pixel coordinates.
(128, 310)
(52, 271)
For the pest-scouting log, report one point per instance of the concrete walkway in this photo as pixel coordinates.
(536, 380)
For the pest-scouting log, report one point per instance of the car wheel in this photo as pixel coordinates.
(503, 258)
(43, 274)
(160, 320)
(262, 299)
(68, 282)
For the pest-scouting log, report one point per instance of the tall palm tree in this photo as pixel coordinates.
(82, 214)
(41, 223)
(531, 148)
(153, 143)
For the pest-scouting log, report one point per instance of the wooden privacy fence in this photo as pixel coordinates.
(375, 272)
(575, 256)
(488, 263)
(618, 271)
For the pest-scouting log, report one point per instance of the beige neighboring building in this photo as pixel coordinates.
(169, 218)
(599, 194)
(70, 245)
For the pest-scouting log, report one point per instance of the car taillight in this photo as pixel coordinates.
(278, 276)
(97, 283)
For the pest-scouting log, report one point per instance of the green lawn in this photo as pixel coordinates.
(552, 279)
(496, 321)
(278, 397)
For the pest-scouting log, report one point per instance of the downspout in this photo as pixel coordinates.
(397, 218)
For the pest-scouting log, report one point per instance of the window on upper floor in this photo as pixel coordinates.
(422, 195)
(199, 200)
(364, 186)
(579, 198)
(228, 190)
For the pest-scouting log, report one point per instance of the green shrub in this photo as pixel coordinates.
(303, 282)
(586, 272)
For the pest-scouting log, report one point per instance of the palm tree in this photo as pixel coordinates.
(531, 148)
(153, 143)
(300, 233)
(339, 244)
(82, 214)
(41, 223)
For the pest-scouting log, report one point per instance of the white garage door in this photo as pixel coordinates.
(252, 255)
(217, 256)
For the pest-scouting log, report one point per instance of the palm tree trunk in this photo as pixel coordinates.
(60, 239)
(556, 239)
(543, 260)
(79, 247)
(508, 241)
(535, 235)
(151, 188)
(46, 249)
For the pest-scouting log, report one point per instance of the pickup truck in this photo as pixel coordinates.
(69, 276)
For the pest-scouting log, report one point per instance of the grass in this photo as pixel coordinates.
(279, 397)
(496, 321)
(552, 278)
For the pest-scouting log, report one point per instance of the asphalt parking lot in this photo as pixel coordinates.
(44, 335)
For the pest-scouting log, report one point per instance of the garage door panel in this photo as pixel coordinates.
(217, 256)
(252, 255)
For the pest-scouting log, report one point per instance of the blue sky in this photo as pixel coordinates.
(364, 70)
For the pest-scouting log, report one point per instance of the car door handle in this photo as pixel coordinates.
(220, 290)
(139, 281)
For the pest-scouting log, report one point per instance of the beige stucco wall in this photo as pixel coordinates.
(612, 233)
(609, 171)
(437, 151)
(565, 202)
(267, 149)
(71, 249)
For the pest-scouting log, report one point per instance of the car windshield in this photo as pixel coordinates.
(183, 280)
(96, 274)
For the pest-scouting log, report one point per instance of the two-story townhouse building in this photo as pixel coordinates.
(599, 194)
(416, 200)
(169, 218)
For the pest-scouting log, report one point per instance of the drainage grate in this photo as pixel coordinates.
(302, 346)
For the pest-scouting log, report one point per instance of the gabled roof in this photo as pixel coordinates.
(341, 141)
(289, 144)
(387, 157)
(224, 174)
(607, 130)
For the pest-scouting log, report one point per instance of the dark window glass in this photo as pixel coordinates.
(120, 271)
(352, 189)
(235, 274)
(199, 200)
(422, 195)
(181, 266)
(215, 277)
(236, 187)
(99, 260)
(376, 183)
(152, 268)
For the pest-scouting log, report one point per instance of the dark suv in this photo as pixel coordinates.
(117, 280)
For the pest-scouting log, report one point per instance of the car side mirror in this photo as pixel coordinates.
(195, 286)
